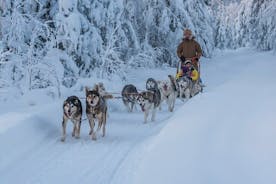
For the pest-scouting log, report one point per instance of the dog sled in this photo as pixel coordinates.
(188, 78)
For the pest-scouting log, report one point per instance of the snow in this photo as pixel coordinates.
(224, 135)
(30, 137)
(227, 134)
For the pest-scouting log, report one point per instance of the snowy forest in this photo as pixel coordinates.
(53, 43)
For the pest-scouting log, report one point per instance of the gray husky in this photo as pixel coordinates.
(129, 94)
(72, 110)
(150, 99)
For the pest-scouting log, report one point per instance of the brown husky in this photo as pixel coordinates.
(96, 109)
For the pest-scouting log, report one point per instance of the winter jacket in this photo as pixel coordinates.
(188, 49)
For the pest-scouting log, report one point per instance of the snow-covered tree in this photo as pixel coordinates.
(53, 43)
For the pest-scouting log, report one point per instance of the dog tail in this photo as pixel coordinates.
(107, 96)
(173, 81)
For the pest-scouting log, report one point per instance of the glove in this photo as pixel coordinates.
(182, 58)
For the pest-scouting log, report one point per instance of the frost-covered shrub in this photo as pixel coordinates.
(247, 23)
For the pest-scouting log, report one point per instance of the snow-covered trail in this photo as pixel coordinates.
(31, 151)
(35, 154)
(226, 135)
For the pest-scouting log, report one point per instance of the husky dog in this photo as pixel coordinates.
(188, 88)
(185, 86)
(96, 109)
(150, 99)
(72, 110)
(168, 89)
(197, 87)
(101, 90)
(129, 94)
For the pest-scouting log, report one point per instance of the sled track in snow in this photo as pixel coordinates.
(38, 152)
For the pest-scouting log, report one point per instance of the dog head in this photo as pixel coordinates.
(151, 84)
(145, 100)
(183, 83)
(164, 86)
(92, 97)
(70, 106)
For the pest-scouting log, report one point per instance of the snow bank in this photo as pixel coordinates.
(226, 135)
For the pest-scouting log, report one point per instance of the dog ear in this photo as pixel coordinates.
(86, 90)
(76, 102)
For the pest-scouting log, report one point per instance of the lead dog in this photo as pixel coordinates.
(149, 100)
(168, 89)
(72, 110)
(96, 109)
(129, 94)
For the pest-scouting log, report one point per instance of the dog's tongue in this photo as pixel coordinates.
(165, 87)
(69, 114)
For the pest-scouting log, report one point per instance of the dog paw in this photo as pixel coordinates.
(94, 137)
(90, 132)
(77, 137)
(62, 139)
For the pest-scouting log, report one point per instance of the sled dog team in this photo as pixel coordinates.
(149, 100)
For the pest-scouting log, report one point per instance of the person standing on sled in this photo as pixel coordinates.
(188, 50)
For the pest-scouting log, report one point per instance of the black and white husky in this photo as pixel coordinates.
(185, 85)
(129, 94)
(188, 88)
(149, 100)
(168, 90)
(72, 110)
